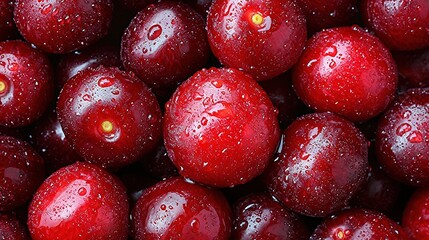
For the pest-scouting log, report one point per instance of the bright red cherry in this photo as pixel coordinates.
(346, 71)
(415, 219)
(110, 117)
(323, 162)
(220, 128)
(21, 172)
(400, 24)
(261, 37)
(402, 139)
(11, 228)
(26, 84)
(414, 67)
(7, 25)
(58, 26)
(80, 201)
(176, 209)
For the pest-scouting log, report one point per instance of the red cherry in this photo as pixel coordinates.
(21, 172)
(400, 24)
(59, 26)
(110, 117)
(414, 67)
(323, 162)
(346, 71)
(176, 209)
(416, 215)
(7, 25)
(26, 85)
(261, 37)
(80, 201)
(220, 128)
(11, 228)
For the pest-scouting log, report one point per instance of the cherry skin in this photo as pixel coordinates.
(400, 24)
(109, 116)
(263, 38)
(7, 25)
(11, 228)
(403, 136)
(165, 43)
(258, 216)
(414, 67)
(346, 71)
(220, 128)
(415, 217)
(21, 172)
(323, 162)
(59, 26)
(176, 209)
(26, 84)
(359, 224)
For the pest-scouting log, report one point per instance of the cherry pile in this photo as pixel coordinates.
(214, 119)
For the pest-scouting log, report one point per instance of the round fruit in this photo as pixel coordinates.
(416, 215)
(7, 25)
(11, 228)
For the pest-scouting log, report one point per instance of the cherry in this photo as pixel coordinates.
(132, 6)
(11, 228)
(359, 224)
(59, 26)
(220, 128)
(21, 172)
(26, 85)
(80, 201)
(403, 137)
(176, 209)
(415, 217)
(346, 71)
(400, 24)
(258, 216)
(201, 6)
(414, 67)
(110, 117)
(7, 25)
(165, 43)
(261, 37)
(323, 162)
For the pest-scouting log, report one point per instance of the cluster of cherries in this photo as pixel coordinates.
(223, 119)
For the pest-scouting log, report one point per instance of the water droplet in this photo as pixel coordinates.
(258, 220)
(304, 155)
(243, 225)
(332, 64)
(86, 97)
(220, 110)
(313, 133)
(81, 191)
(154, 32)
(115, 92)
(106, 82)
(204, 121)
(163, 207)
(403, 128)
(331, 51)
(46, 9)
(144, 50)
(406, 114)
(13, 67)
(217, 84)
(415, 137)
(195, 225)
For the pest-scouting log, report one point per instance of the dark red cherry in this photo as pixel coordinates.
(261, 37)
(346, 71)
(201, 6)
(415, 219)
(11, 228)
(165, 43)
(59, 26)
(402, 139)
(80, 201)
(323, 162)
(158, 164)
(258, 216)
(21, 172)
(7, 25)
(132, 6)
(220, 128)
(176, 209)
(109, 116)
(359, 224)
(414, 67)
(400, 24)
(26, 84)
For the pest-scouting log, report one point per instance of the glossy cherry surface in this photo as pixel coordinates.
(262, 37)
(220, 128)
(58, 26)
(11, 228)
(346, 71)
(176, 209)
(400, 24)
(110, 117)
(165, 43)
(26, 84)
(416, 215)
(359, 224)
(21, 172)
(7, 25)
(258, 216)
(414, 67)
(80, 201)
(402, 140)
(323, 162)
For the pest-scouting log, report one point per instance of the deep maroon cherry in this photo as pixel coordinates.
(201, 6)
(414, 67)
(258, 216)
(11, 228)
(359, 224)
(21, 172)
(261, 37)
(323, 162)
(400, 24)
(403, 138)
(415, 219)
(59, 26)
(346, 71)
(176, 209)
(158, 164)
(7, 25)
(110, 117)
(220, 128)
(132, 6)
(80, 201)
(165, 43)
(26, 84)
